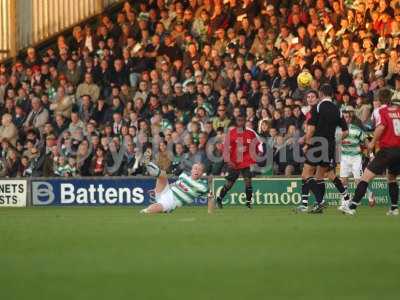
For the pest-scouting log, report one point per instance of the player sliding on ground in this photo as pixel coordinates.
(183, 191)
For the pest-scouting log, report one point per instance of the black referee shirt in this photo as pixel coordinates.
(326, 117)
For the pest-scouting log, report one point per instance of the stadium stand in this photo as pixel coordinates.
(172, 75)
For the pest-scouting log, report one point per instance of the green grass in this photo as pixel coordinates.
(266, 253)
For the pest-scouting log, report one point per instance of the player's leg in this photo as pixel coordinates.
(318, 188)
(393, 188)
(376, 166)
(246, 173)
(346, 165)
(357, 171)
(393, 194)
(231, 178)
(307, 177)
(345, 182)
(161, 190)
(161, 185)
(326, 163)
(340, 186)
(362, 187)
(371, 197)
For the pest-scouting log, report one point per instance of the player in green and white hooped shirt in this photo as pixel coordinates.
(351, 153)
(183, 191)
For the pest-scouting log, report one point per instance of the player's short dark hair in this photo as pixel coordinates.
(312, 91)
(384, 96)
(326, 90)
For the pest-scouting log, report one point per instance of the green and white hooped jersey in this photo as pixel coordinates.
(351, 144)
(186, 190)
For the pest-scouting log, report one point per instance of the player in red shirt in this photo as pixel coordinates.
(387, 135)
(240, 148)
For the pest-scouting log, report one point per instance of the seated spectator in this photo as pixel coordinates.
(62, 104)
(8, 131)
(13, 164)
(190, 158)
(221, 120)
(38, 116)
(98, 165)
(88, 87)
(163, 159)
(76, 123)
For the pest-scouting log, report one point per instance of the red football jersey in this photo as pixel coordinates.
(390, 118)
(242, 146)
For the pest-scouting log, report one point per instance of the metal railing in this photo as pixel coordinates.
(7, 28)
(28, 22)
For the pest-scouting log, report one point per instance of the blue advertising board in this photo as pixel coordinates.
(95, 191)
(92, 191)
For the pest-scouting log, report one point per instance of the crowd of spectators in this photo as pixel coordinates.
(172, 75)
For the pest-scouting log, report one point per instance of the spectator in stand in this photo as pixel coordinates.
(62, 104)
(8, 131)
(88, 87)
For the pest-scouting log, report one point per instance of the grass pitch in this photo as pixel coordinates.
(266, 253)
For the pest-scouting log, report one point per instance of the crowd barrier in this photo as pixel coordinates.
(133, 191)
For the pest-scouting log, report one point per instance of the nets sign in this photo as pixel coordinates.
(287, 191)
(13, 193)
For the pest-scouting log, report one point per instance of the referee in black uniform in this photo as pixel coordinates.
(320, 142)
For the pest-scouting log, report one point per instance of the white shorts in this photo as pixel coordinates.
(351, 165)
(167, 200)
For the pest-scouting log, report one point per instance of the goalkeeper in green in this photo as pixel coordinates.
(182, 192)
